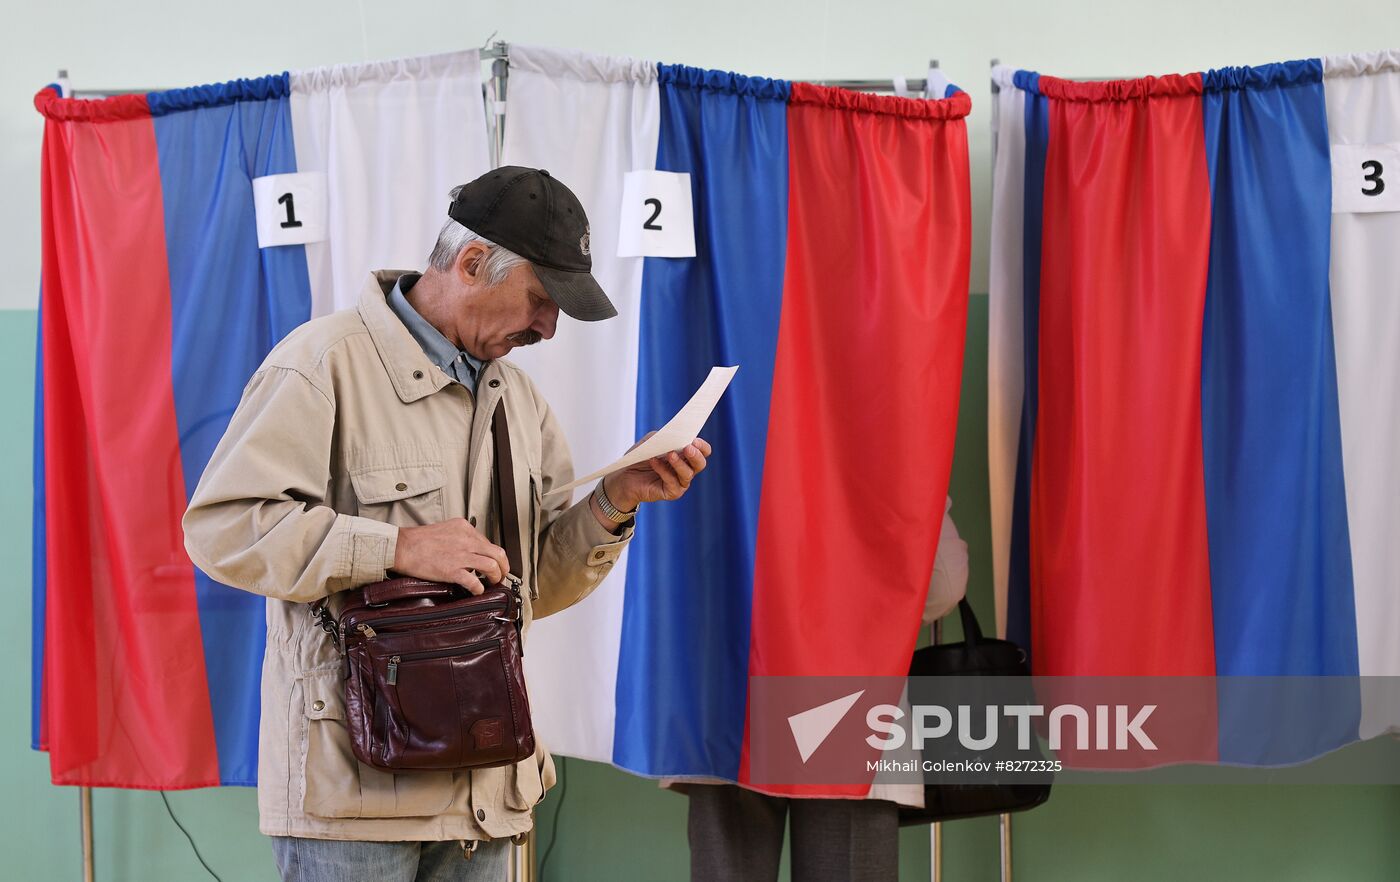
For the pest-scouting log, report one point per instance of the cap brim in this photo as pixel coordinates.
(578, 294)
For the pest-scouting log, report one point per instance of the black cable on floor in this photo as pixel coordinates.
(171, 812)
(559, 807)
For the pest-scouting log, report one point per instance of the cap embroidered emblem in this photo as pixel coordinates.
(583, 243)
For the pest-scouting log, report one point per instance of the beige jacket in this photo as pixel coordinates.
(346, 432)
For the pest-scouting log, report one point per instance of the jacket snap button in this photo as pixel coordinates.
(481, 814)
(494, 383)
(417, 375)
(318, 705)
(472, 520)
(401, 486)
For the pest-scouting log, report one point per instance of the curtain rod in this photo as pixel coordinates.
(996, 88)
(501, 51)
(913, 85)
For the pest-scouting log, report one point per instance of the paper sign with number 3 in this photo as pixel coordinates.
(1365, 178)
(657, 217)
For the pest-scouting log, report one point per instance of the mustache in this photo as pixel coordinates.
(525, 338)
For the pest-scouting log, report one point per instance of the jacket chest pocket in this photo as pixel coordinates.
(406, 495)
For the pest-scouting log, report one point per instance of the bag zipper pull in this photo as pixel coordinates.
(393, 669)
(365, 629)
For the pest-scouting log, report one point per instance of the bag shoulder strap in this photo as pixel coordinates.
(508, 514)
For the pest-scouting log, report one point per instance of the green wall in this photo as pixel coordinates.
(613, 826)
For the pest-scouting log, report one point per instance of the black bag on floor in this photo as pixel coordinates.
(976, 656)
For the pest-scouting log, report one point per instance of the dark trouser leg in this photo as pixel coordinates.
(844, 840)
(736, 835)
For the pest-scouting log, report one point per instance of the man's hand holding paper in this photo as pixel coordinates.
(657, 479)
(660, 467)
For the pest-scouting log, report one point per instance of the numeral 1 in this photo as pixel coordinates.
(291, 220)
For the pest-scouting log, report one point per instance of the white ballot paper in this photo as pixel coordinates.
(677, 433)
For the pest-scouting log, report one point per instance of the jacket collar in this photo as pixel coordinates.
(413, 374)
(403, 357)
(439, 349)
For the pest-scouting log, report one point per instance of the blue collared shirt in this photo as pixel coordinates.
(457, 364)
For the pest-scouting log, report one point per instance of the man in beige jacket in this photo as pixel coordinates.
(362, 446)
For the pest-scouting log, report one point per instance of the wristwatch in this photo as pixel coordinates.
(609, 510)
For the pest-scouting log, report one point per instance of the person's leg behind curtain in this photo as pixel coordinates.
(844, 840)
(736, 835)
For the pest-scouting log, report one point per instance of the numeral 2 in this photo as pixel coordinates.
(650, 223)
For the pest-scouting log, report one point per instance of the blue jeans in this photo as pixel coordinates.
(331, 860)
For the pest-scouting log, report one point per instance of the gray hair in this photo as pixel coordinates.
(454, 237)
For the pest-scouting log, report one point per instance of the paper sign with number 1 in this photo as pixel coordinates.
(657, 217)
(290, 209)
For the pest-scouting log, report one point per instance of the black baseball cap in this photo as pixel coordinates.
(532, 213)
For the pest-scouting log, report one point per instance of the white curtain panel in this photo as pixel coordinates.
(1363, 108)
(1005, 349)
(393, 138)
(589, 120)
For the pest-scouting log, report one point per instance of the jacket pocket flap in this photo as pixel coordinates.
(388, 483)
(323, 694)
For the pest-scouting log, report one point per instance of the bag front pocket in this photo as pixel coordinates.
(445, 708)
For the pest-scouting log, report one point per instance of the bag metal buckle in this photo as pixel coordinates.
(322, 615)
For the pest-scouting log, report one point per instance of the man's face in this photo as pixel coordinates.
(494, 319)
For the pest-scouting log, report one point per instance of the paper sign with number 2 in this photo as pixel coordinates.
(657, 217)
